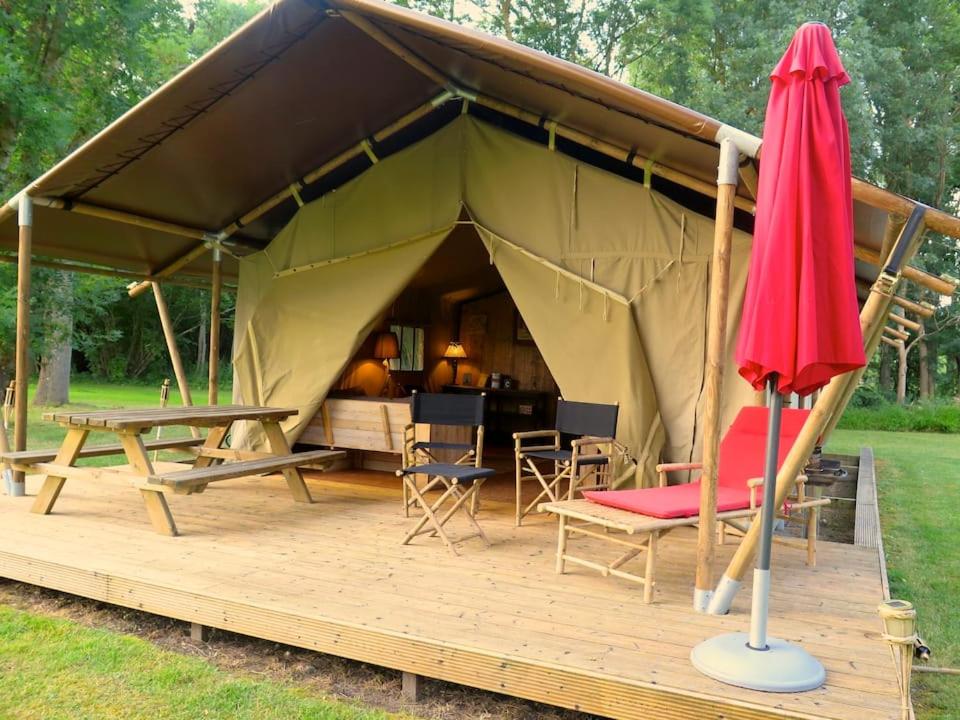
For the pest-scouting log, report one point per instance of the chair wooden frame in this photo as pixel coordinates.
(432, 524)
(565, 472)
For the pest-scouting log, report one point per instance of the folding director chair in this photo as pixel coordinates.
(461, 485)
(465, 411)
(593, 427)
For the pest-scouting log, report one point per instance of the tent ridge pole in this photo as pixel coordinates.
(829, 405)
(727, 177)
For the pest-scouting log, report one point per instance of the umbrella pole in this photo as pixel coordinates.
(761, 575)
(754, 660)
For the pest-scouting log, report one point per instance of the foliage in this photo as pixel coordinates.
(930, 417)
(67, 69)
(918, 487)
(55, 668)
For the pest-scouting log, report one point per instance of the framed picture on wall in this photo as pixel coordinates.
(521, 333)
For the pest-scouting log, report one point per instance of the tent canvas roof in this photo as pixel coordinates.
(301, 83)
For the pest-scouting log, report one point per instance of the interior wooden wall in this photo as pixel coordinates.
(487, 331)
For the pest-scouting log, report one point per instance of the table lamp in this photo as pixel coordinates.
(386, 347)
(453, 353)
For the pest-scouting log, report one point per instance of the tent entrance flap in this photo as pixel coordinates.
(589, 340)
(307, 326)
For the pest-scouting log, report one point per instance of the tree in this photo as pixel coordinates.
(68, 68)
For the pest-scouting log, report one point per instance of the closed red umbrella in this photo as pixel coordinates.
(800, 316)
(800, 324)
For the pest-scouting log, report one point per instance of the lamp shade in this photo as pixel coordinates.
(455, 350)
(386, 346)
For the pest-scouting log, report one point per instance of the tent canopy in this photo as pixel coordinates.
(302, 83)
(610, 276)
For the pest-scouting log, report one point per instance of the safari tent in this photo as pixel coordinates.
(333, 159)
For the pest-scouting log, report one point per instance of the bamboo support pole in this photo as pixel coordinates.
(181, 262)
(921, 309)
(828, 408)
(938, 285)
(891, 342)
(213, 364)
(713, 384)
(896, 334)
(106, 272)
(22, 349)
(120, 216)
(170, 336)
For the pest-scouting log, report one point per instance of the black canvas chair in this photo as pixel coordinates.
(464, 411)
(586, 465)
(460, 480)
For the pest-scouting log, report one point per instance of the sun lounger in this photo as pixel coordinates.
(652, 512)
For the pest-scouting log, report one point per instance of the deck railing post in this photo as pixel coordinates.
(727, 176)
(22, 352)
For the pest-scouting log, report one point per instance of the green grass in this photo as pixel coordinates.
(938, 417)
(87, 394)
(919, 486)
(52, 668)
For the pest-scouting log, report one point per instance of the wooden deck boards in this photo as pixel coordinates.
(333, 577)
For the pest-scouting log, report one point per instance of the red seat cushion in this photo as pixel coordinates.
(673, 501)
(741, 459)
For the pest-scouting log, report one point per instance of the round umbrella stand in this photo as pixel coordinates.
(782, 667)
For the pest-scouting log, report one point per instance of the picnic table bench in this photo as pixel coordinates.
(208, 466)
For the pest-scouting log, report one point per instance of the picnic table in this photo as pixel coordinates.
(209, 465)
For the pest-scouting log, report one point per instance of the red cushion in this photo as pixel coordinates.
(744, 445)
(674, 501)
(741, 458)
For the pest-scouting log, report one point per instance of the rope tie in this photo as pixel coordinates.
(606, 307)
(905, 640)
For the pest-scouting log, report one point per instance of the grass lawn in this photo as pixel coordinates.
(52, 668)
(918, 477)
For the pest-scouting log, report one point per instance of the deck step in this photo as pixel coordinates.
(31, 457)
(260, 466)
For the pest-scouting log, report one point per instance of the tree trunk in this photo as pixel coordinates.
(924, 373)
(886, 370)
(53, 384)
(956, 359)
(902, 374)
(505, 19)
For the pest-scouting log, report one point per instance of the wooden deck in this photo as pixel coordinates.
(333, 577)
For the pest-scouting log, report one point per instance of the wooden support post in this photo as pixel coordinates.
(168, 334)
(213, 374)
(22, 352)
(713, 385)
(410, 686)
(199, 633)
(829, 406)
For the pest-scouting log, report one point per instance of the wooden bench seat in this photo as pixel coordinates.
(32, 457)
(198, 477)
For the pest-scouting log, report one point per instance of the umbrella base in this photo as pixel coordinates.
(782, 667)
